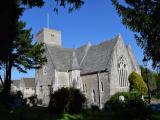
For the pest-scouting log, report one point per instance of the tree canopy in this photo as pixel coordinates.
(142, 16)
(16, 48)
(151, 76)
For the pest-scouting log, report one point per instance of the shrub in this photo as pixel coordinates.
(33, 100)
(59, 101)
(115, 104)
(137, 83)
(136, 110)
(11, 101)
(132, 108)
(76, 101)
(66, 100)
(95, 108)
(156, 94)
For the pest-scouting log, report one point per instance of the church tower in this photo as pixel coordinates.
(49, 36)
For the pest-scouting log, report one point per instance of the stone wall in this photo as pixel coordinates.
(104, 87)
(120, 50)
(75, 79)
(49, 37)
(89, 84)
(62, 79)
(98, 82)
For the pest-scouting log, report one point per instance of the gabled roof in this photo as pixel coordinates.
(29, 82)
(61, 57)
(98, 57)
(89, 58)
(16, 83)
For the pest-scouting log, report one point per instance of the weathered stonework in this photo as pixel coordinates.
(99, 71)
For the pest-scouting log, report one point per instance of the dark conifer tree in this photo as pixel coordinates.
(143, 17)
(16, 48)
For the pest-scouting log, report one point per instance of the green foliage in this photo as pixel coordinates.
(136, 110)
(59, 101)
(137, 83)
(11, 101)
(17, 48)
(71, 117)
(151, 76)
(142, 16)
(71, 4)
(132, 108)
(77, 99)
(153, 80)
(66, 100)
(115, 104)
(40, 113)
(95, 108)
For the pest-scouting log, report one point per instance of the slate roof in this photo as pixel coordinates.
(98, 57)
(89, 58)
(61, 57)
(16, 83)
(29, 82)
(80, 52)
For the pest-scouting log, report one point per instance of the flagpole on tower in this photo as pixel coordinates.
(48, 20)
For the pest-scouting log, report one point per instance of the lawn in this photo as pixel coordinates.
(40, 113)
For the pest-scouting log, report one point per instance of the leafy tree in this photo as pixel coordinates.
(16, 49)
(151, 76)
(157, 77)
(156, 92)
(142, 16)
(137, 83)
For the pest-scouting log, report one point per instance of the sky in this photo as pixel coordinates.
(95, 22)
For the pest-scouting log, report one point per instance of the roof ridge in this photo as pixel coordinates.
(85, 54)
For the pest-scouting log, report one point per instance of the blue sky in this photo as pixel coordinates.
(95, 21)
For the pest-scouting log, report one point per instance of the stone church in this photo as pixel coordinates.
(99, 71)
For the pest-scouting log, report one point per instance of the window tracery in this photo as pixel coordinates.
(123, 72)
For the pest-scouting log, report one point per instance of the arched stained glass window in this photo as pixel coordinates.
(123, 72)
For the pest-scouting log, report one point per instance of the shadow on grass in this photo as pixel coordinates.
(40, 113)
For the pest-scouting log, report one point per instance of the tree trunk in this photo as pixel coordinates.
(7, 85)
(1, 81)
